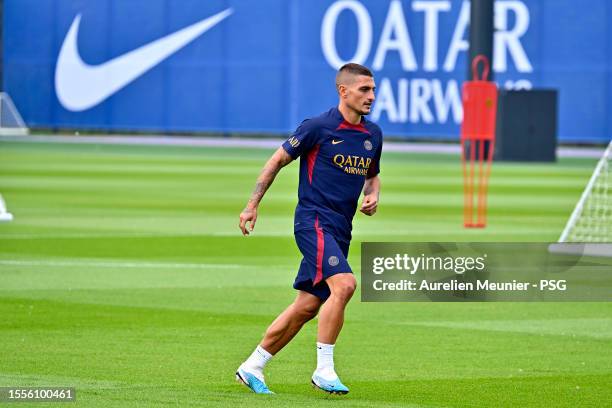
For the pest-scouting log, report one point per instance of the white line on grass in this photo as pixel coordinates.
(140, 265)
(109, 235)
(261, 143)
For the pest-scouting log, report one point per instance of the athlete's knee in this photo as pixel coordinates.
(344, 287)
(303, 313)
(305, 310)
(308, 312)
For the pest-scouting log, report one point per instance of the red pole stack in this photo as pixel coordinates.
(477, 142)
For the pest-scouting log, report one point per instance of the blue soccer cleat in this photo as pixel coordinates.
(253, 383)
(330, 387)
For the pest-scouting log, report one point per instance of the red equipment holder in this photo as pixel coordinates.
(477, 142)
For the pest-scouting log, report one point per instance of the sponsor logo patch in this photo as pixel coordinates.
(293, 142)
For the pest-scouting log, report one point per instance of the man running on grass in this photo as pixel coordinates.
(340, 154)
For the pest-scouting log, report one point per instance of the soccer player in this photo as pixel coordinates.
(339, 158)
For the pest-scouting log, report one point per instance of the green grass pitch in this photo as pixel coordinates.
(124, 275)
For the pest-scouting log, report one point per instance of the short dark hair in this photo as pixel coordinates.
(354, 69)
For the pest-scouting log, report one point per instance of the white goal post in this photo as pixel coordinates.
(591, 220)
(4, 214)
(11, 122)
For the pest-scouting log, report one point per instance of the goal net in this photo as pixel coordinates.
(11, 122)
(591, 220)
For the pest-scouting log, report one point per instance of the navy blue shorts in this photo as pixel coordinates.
(324, 256)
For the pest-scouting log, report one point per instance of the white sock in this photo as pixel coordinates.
(257, 361)
(325, 361)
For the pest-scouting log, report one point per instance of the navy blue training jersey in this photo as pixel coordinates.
(335, 159)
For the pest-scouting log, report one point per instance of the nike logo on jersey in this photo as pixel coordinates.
(335, 142)
(80, 86)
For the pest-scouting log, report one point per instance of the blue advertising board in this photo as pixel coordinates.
(244, 66)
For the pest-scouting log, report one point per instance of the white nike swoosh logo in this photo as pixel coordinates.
(80, 86)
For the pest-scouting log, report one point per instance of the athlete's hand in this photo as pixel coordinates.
(248, 215)
(369, 204)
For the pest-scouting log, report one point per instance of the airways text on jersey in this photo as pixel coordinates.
(353, 164)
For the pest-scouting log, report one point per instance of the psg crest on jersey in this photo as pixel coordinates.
(368, 145)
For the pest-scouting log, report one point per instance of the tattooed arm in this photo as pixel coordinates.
(279, 159)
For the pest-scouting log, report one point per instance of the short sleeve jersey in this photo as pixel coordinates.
(336, 157)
